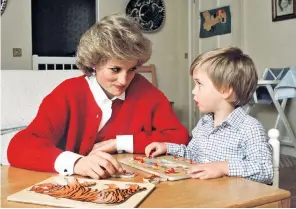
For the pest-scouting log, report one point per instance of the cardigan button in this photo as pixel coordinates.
(97, 115)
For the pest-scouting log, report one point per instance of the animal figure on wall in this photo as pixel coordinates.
(211, 20)
(82, 192)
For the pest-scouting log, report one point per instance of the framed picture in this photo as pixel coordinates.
(283, 9)
(3, 5)
(215, 22)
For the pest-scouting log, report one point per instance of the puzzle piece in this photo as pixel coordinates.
(124, 174)
(170, 171)
(154, 179)
(139, 159)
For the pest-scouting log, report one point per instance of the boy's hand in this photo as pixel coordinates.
(155, 148)
(209, 170)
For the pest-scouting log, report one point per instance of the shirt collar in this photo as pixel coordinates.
(207, 118)
(235, 118)
(100, 95)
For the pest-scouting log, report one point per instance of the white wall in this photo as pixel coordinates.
(270, 44)
(16, 33)
(182, 71)
(108, 7)
(22, 97)
(169, 45)
(16, 30)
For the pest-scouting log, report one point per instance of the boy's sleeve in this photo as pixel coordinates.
(189, 151)
(179, 150)
(257, 164)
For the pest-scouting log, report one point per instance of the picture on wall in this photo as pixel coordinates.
(283, 9)
(3, 5)
(215, 22)
(150, 14)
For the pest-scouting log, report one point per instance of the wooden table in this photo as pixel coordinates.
(222, 192)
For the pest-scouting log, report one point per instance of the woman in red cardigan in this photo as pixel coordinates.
(109, 109)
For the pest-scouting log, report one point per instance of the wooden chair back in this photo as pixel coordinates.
(148, 71)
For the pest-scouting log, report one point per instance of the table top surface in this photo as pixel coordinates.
(222, 192)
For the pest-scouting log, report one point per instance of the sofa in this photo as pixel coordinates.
(22, 92)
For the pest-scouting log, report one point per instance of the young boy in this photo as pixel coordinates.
(226, 141)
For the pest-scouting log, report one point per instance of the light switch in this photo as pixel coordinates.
(17, 52)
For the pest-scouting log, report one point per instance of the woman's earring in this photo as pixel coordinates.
(94, 72)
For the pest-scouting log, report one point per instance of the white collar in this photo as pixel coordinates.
(99, 95)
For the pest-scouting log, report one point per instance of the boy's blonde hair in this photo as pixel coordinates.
(229, 67)
(114, 37)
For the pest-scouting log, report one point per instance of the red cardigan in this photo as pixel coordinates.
(68, 120)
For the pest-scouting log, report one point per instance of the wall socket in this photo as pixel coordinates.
(17, 52)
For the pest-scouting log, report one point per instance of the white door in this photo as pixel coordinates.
(200, 45)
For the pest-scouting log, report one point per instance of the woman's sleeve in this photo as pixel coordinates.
(166, 127)
(35, 147)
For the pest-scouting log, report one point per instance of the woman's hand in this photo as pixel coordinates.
(155, 148)
(97, 165)
(209, 170)
(108, 146)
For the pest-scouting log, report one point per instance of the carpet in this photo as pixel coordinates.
(287, 161)
(287, 172)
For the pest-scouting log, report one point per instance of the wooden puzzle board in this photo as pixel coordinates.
(27, 196)
(161, 166)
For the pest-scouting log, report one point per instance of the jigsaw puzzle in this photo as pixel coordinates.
(169, 167)
(74, 192)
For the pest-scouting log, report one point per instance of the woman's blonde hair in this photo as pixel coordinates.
(114, 37)
(229, 67)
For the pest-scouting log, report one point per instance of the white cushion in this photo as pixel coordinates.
(5, 139)
(23, 91)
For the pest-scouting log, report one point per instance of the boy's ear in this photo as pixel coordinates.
(228, 93)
